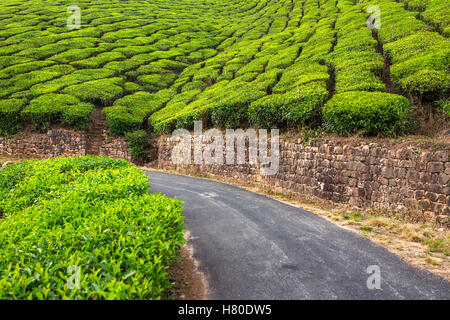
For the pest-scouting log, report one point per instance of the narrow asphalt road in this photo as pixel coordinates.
(253, 247)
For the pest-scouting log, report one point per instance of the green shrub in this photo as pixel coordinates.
(10, 115)
(358, 79)
(162, 66)
(267, 112)
(444, 105)
(139, 103)
(76, 54)
(198, 84)
(187, 118)
(293, 108)
(131, 87)
(120, 121)
(232, 112)
(92, 213)
(369, 113)
(49, 50)
(155, 82)
(437, 13)
(207, 57)
(138, 142)
(7, 61)
(23, 68)
(416, 45)
(306, 110)
(300, 75)
(27, 80)
(102, 91)
(427, 82)
(431, 61)
(78, 115)
(47, 109)
(78, 76)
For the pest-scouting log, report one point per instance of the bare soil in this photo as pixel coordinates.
(189, 282)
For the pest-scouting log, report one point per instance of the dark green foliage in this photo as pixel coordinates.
(155, 82)
(444, 105)
(267, 112)
(300, 107)
(421, 64)
(368, 113)
(10, 115)
(77, 115)
(138, 141)
(139, 103)
(306, 111)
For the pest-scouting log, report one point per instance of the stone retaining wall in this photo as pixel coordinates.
(114, 147)
(59, 143)
(409, 179)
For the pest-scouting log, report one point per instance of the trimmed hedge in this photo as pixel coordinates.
(139, 103)
(367, 113)
(78, 115)
(90, 213)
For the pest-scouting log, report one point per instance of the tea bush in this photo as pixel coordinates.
(53, 108)
(427, 82)
(90, 213)
(368, 113)
(119, 120)
(102, 91)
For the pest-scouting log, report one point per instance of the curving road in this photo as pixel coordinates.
(253, 247)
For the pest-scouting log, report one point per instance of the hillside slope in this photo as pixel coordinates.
(160, 65)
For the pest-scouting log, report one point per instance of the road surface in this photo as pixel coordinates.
(252, 247)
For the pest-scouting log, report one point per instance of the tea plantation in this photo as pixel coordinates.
(158, 65)
(90, 218)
